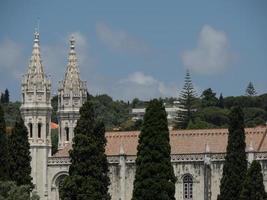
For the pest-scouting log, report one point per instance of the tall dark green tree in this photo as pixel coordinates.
(250, 91)
(88, 173)
(6, 96)
(19, 155)
(2, 98)
(253, 187)
(154, 178)
(4, 158)
(221, 101)
(235, 165)
(208, 98)
(187, 100)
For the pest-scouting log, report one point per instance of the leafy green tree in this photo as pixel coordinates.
(208, 98)
(10, 191)
(235, 165)
(4, 157)
(250, 91)
(254, 116)
(187, 100)
(88, 172)
(221, 101)
(19, 155)
(253, 187)
(214, 115)
(154, 178)
(199, 124)
(12, 112)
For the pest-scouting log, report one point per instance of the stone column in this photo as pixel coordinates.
(122, 165)
(207, 174)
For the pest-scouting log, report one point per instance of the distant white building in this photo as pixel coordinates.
(172, 112)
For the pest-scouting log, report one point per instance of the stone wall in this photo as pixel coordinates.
(205, 170)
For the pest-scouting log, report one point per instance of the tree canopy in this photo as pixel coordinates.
(235, 165)
(19, 155)
(253, 187)
(88, 172)
(154, 178)
(187, 101)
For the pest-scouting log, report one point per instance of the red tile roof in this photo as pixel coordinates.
(54, 125)
(182, 141)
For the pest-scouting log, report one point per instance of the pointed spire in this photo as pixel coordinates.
(72, 75)
(35, 70)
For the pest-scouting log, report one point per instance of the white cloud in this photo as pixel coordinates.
(211, 54)
(140, 78)
(119, 39)
(142, 86)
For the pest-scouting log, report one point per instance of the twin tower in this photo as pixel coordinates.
(36, 108)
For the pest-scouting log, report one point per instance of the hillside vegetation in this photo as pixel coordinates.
(211, 112)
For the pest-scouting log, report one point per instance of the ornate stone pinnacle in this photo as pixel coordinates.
(72, 42)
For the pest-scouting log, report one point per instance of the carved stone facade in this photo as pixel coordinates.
(197, 156)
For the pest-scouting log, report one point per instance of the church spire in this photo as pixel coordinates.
(72, 93)
(35, 70)
(72, 75)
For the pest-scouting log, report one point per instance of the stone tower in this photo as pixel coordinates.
(36, 112)
(72, 93)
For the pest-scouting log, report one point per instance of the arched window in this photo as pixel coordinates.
(30, 129)
(67, 131)
(188, 186)
(39, 130)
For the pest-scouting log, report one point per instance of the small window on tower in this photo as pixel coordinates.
(39, 130)
(30, 129)
(67, 130)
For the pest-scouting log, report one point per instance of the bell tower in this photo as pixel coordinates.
(36, 112)
(72, 93)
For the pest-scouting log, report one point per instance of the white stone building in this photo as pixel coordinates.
(197, 155)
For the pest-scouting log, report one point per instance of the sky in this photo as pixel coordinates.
(129, 49)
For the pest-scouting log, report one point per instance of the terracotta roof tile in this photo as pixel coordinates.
(182, 141)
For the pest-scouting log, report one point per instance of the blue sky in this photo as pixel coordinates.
(139, 48)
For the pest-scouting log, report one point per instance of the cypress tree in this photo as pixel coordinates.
(235, 165)
(187, 100)
(88, 172)
(6, 96)
(19, 155)
(4, 163)
(2, 98)
(221, 101)
(253, 187)
(154, 178)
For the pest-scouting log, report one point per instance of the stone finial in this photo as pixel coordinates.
(72, 42)
(36, 36)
